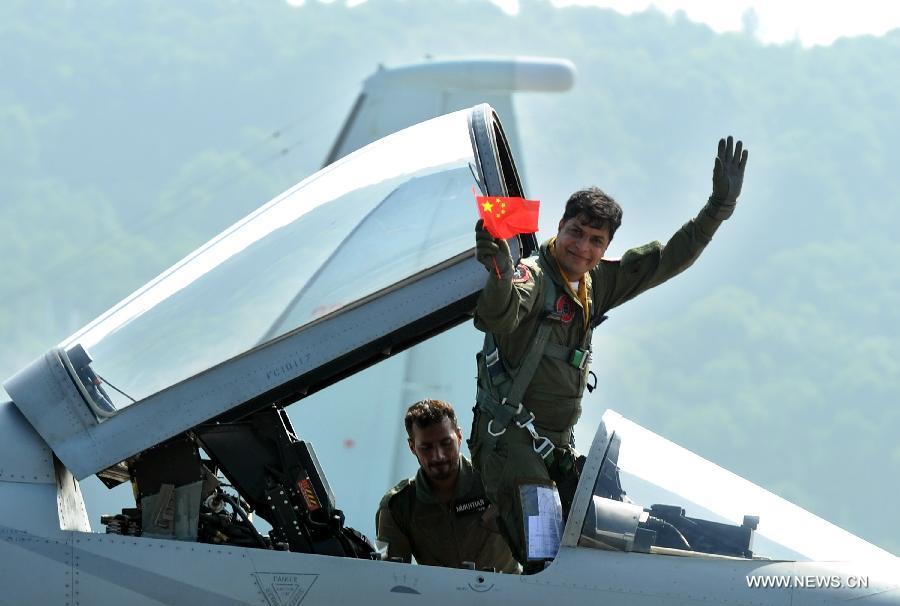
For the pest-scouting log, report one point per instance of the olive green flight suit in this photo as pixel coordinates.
(511, 310)
(412, 521)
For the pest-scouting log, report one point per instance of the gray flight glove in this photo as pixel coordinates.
(492, 252)
(728, 177)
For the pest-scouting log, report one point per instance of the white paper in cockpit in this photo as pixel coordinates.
(545, 528)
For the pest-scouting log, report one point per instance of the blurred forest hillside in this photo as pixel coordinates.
(130, 133)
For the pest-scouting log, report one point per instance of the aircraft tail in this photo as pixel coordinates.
(395, 98)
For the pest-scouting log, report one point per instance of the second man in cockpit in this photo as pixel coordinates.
(441, 516)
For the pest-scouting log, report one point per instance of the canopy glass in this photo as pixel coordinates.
(375, 218)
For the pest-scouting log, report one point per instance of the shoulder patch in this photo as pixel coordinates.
(397, 489)
(521, 274)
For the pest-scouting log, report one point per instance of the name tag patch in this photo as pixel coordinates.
(470, 506)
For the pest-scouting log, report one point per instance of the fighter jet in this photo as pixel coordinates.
(181, 391)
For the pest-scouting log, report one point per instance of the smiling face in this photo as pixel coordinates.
(437, 449)
(579, 246)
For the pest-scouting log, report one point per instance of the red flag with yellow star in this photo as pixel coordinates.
(507, 217)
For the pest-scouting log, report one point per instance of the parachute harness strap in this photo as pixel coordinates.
(501, 396)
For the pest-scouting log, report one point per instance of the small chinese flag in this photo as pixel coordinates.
(507, 217)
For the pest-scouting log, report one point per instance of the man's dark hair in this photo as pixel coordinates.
(598, 208)
(427, 413)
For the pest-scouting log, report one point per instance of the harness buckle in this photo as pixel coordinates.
(492, 433)
(494, 366)
(503, 431)
(540, 444)
(544, 447)
(527, 424)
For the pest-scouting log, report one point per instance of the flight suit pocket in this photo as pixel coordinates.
(474, 536)
(440, 542)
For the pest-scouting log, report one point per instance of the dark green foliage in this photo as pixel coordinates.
(132, 132)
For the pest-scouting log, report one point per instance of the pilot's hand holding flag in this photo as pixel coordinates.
(492, 253)
(502, 218)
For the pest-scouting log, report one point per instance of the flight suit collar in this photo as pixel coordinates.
(463, 484)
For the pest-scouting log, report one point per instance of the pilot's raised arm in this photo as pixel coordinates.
(441, 516)
(538, 318)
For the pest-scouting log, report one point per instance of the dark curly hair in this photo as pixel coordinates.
(429, 412)
(598, 208)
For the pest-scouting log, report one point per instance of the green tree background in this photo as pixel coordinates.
(130, 133)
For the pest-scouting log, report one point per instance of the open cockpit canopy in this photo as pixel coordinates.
(362, 259)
